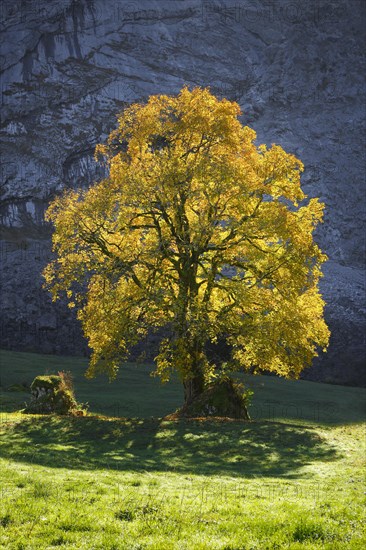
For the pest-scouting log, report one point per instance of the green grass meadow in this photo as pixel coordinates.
(124, 477)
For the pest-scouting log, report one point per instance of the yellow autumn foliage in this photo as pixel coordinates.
(196, 229)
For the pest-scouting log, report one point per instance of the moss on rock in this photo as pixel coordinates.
(51, 381)
(52, 394)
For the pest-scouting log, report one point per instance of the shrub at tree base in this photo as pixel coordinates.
(220, 398)
(53, 394)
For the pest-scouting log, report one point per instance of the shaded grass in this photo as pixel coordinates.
(133, 394)
(205, 448)
(136, 394)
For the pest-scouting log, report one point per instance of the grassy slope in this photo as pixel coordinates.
(136, 394)
(291, 478)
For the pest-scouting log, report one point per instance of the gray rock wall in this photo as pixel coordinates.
(296, 68)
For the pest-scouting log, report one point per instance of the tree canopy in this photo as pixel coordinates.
(196, 229)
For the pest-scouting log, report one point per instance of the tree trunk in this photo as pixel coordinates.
(193, 387)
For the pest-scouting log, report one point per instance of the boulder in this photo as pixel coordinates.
(52, 394)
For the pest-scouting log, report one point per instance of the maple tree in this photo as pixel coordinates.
(198, 230)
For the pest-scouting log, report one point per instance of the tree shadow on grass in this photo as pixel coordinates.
(238, 448)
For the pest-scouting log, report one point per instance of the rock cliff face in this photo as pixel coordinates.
(296, 68)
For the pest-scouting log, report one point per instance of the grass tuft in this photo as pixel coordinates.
(5, 520)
